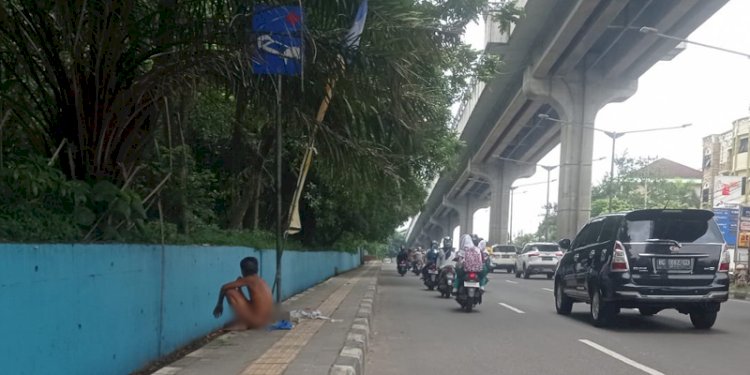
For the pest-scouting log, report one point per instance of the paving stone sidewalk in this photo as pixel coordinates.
(311, 347)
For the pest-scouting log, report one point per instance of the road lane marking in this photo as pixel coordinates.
(548, 289)
(511, 281)
(738, 300)
(511, 308)
(621, 358)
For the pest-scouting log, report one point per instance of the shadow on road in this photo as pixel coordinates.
(629, 322)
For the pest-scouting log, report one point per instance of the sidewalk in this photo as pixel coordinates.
(311, 347)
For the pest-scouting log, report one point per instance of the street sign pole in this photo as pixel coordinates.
(279, 145)
(278, 52)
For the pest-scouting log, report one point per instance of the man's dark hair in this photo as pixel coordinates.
(249, 266)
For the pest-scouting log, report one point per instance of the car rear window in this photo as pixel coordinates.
(504, 249)
(547, 248)
(672, 227)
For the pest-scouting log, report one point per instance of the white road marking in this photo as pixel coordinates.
(511, 281)
(511, 308)
(739, 300)
(621, 358)
(548, 289)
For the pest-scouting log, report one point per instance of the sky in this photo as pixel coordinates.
(705, 87)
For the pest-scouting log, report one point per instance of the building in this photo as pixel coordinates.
(671, 171)
(725, 166)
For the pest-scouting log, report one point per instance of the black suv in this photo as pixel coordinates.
(647, 259)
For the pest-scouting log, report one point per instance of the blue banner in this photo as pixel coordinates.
(727, 220)
(279, 41)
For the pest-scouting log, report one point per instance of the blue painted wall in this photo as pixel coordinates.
(110, 309)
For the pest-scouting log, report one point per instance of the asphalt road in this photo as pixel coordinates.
(516, 331)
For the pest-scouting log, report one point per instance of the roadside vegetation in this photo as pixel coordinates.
(141, 121)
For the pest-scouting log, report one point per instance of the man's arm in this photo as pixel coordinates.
(219, 309)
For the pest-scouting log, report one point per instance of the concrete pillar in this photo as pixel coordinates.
(437, 227)
(501, 174)
(465, 207)
(577, 98)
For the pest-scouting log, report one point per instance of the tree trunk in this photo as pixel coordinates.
(241, 203)
(184, 209)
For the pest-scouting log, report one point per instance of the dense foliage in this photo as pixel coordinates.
(142, 120)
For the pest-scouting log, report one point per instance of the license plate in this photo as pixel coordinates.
(433, 272)
(674, 264)
(505, 256)
(469, 284)
(546, 258)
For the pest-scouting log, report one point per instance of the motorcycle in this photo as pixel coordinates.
(445, 281)
(469, 294)
(402, 268)
(430, 279)
(416, 268)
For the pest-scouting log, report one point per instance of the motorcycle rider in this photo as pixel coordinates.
(471, 258)
(431, 258)
(418, 258)
(483, 280)
(402, 255)
(445, 257)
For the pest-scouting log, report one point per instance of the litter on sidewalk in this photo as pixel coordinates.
(298, 315)
(281, 325)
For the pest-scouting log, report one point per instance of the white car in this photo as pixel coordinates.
(538, 258)
(504, 258)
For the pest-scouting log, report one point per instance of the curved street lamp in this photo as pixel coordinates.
(655, 31)
(614, 135)
(548, 168)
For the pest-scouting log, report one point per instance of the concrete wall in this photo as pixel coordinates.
(110, 309)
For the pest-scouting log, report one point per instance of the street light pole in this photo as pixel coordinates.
(510, 221)
(655, 31)
(549, 169)
(612, 135)
(512, 191)
(610, 192)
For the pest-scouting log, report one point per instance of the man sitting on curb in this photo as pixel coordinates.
(249, 314)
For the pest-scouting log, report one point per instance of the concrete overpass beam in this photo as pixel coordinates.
(439, 228)
(577, 98)
(502, 174)
(465, 207)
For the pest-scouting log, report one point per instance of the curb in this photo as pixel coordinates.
(351, 359)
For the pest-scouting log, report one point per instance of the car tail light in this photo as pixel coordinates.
(472, 276)
(534, 254)
(619, 258)
(559, 253)
(725, 259)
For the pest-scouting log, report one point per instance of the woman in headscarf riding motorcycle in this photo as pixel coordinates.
(471, 258)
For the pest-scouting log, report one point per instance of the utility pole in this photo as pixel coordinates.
(549, 169)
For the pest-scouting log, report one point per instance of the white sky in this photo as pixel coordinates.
(701, 86)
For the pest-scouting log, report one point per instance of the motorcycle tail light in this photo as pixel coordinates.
(472, 276)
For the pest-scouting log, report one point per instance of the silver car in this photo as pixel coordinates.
(538, 258)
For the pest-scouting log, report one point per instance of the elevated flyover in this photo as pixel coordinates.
(566, 59)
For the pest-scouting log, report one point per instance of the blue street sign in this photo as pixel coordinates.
(727, 220)
(279, 43)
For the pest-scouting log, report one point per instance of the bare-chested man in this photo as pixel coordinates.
(254, 313)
